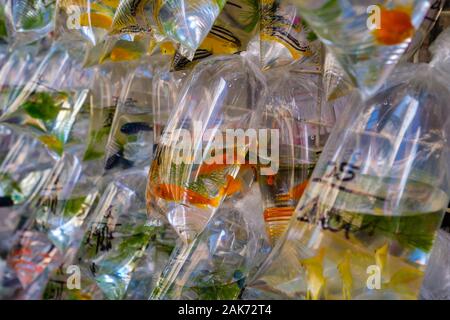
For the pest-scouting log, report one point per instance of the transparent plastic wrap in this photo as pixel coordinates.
(217, 263)
(367, 37)
(144, 105)
(28, 21)
(436, 285)
(189, 178)
(284, 35)
(294, 107)
(233, 29)
(48, 103)
(365, 225)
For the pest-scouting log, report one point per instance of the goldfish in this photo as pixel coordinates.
(233, 185)
(396, 26)
(314, 275)
(295, 193)
(346, 275)
(220, 163)
(173, 192)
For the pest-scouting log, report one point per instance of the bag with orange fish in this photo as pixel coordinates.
(367, 221)
(231, 33)
(284, 37)
(366, 37)
(296, 108)
(192, 169)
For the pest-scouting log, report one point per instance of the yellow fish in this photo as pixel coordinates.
(346, 276)
(381, 255)
(406, 280)
(314, 275)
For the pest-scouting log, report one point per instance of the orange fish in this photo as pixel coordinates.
(173, 192)
(396, 26)
(221, 163)
(295, 193)
(233, 186)
(271, 180)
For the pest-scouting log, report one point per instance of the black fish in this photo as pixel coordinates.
(135, 127)
(6, 201)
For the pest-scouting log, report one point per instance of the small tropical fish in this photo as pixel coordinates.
(233, 185)
(173, 192)
(217, 164)
(298, 190)
(295, 193)
(135, 127)
(125, 51)
(96, 20)
(405, 280)
(314, 275)
(346, 275)
(53, 143)
(381, 255)
(6, 201)
(396, 26)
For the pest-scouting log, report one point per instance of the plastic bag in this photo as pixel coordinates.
(284, 35)
(233, 29)
(294, 107)
(144, 105)
(367, 55)
(28, 21)
(216, 264)
(48, 102)
(365, 226)
(188, 180)
(117, 235)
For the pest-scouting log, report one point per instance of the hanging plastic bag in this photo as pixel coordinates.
(365, 226)
(143, 109)
(284, 35)
(216, 264)
(28, 21)
(367, 45)
(294, 107)
(189, 178)
(117, 235)
(49, 101)
(236, 25)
